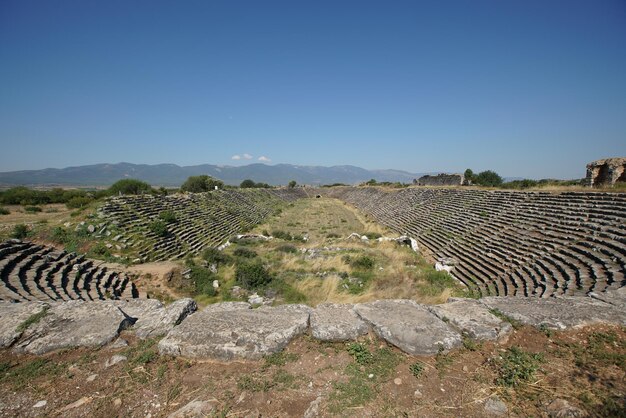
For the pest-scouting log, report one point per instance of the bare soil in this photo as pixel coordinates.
(590, 375)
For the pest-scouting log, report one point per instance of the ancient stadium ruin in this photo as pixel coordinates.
(545, 251)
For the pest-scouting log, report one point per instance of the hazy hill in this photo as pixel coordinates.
(174, 175)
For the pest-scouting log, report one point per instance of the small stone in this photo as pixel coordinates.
(92, 378)
(119, 343)
(40, 404)
(370, 376)
(91, 229)
(397, 381)
(114, 360)
(417, 393)
(117, 402)
(314, 408)
(560, 408)
(495, 407)
(465, 369)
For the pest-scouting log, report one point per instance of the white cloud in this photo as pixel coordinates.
(264, 159)
(247, 156)
(236, 157)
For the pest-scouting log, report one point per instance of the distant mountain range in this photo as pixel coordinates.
(174, 175)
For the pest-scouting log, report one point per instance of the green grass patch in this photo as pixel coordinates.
(514, 322)
(517, 366)
(33, 319)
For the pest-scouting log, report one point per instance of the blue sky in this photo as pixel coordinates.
(527, 88)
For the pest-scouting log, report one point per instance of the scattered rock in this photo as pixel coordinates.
(117, 402)
(91, 229)
(92, 377)
(82, 401)
(114, 360)
(397, 381)
(472, 318)
(40, 404)
(255, 299)
(409, 326)
(495, 407)
(314, 408)
(336, 322)
(194, 409)
(119, 343)
(73, 324)
(560, 408)
(250, 334)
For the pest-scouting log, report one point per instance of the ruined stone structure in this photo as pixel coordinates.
(441, 179)
(509, 242)
(606, 172)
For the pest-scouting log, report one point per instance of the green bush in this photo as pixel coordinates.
(78, 202)
(244, 253)
(158, 227)
(203, 281)
(4, 211)
(20, 231)
(517, 366)
(362, 262)
(215, 256)
(416, 369)
(32, 209)
(168, 216)
(99, 250)
(282, 235)
(292, 184)
(520, 184)
(488, 178)
(252, 275)
(286, 248)
(199, 184)
(129, 186)
(373, 235)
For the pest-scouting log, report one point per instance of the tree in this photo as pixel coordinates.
(247, 184)
(488, 178)
(292, 184)
(371, 182)
(468, 175)
(199, 184)
(130, 186)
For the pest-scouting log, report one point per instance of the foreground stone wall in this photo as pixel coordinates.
(440, 180)
(233, 330)
(606, 172)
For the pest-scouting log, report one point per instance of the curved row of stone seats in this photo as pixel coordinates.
(510, 242)
(32, 272)
(202, 219)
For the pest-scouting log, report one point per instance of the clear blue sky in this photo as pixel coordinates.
(527, 88)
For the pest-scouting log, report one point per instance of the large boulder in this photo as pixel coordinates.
(472, 318)
(73, 324)
(151, 318)
(557, 313)
(409, 326)
(236, 333)
(14, 317)
(336, 322)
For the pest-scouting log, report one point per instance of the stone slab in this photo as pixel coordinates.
(337, 322)
(73, 324)
(614, 297)
(409, 326)
(12, 315)
(557, 313)
(472, 318)
(228, 334)
(151, 318)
